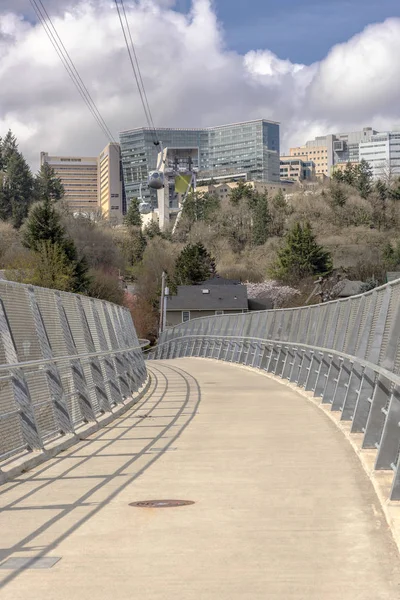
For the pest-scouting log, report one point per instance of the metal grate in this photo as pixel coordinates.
(58, 360)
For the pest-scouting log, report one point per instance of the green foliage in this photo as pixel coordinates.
(8, 148)
(261, 220)
(279, 201)
(337, 194)
(243, 190)
(200, 207)
(193, 265)
(44, 226)
(133, 245)
(153, 230)
(48, 266)
(47, 185)
(391, 254)
(394, 190)
(17, 192)
(358, 176)
(301, 256)
(363, 178)
(81, 277)
(347, 175)
(279, 212)
(133, 216)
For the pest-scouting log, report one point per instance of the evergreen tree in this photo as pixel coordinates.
(261, 220)
(133, 245)
(391, 254)
(279, 201)
(364, 179)
(153, 230)
(52, 268)
(337, 194)
(242, 190)
(301, 256)
(337, 175)
(47, 267)
(9, 147)
(47, 185)
(80, 275)
(200, 207)
(133, 216)
(394, 190)
(193, 265)
(44, 226)
(17, 193)
(350, 174)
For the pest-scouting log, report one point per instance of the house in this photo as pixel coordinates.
(193, 301)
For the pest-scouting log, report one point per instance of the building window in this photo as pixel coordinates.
(185, 316)
(219, 312)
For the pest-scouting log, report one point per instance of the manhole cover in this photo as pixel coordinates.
(161, 503)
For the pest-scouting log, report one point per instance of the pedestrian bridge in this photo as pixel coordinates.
(244, 416)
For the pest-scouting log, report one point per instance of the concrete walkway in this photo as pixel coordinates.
(283, 509)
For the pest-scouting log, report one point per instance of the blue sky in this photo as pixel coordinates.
(301, 30)
(212, 85)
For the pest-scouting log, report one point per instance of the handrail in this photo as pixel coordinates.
(313, 349)
(65, 360)
(346, 352)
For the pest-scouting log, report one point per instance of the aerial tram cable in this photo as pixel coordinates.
(156, 177)
(136, 69)
(69, 65)
(139, 72)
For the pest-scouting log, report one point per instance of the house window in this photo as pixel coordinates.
(219, 312)
(185, 316)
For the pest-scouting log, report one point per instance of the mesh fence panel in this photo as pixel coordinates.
(57, 345)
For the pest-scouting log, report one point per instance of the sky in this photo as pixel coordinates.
(316, 67)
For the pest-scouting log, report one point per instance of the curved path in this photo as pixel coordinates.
(283, 509)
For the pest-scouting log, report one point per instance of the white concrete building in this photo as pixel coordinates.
(382, 152)
(93, 184)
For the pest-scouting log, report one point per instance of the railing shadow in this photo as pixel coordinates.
(187, 396)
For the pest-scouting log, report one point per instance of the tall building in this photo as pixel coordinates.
(316, 151)
(79, 176)
(382, 152)
(111, 183)
(92, 184)
(330, 150)
(296, 169)
(251, 147)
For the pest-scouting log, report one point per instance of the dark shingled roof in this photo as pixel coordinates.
(217, 280)
(220, 297)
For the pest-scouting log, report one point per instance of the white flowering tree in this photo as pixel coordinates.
(271, 290)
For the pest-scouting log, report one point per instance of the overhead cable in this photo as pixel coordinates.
(135, 67)
(69, 65)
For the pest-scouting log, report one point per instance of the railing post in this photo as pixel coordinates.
(78, 376)
(52, 375)
(368, 380)
(332, 373)
(315, 363)
(384, 404)
(356, 376)
(29, 428)
(343, 377)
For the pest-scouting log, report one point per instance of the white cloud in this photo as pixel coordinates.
(191, 78)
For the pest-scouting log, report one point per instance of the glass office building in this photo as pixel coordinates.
(251, 148)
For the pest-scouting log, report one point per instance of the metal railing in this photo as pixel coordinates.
(65, 360)
(347, 352)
